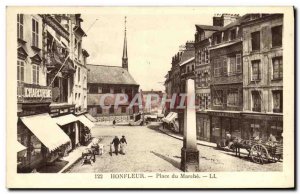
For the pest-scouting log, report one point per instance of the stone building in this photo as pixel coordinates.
(203, 77)
(46, 71)
(263, 75)
(103, 80)
(226, 80)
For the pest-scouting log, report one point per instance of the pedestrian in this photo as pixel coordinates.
(114, 123)
(116, 143)
(123, 144)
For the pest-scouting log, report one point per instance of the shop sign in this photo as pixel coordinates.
(37, 93)
(30, 93)
(225, 114)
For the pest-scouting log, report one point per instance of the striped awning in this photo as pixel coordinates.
(66, 119)
(85, 121)
(90, 117)
(46, 130)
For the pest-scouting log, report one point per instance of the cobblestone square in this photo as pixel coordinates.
(150, 150)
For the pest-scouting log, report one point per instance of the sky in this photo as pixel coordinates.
(153, 38)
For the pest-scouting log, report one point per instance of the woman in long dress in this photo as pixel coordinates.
(123, 144)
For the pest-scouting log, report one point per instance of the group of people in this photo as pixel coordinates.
(116, 142)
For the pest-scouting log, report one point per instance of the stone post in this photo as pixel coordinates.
(189, 151)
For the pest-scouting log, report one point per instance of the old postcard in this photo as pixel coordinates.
(150, 97)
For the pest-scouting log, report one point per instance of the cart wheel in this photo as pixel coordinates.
(259, 154)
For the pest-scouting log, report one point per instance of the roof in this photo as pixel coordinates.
(210, 28)
(109, 75)
(187, 61)
(187, 55)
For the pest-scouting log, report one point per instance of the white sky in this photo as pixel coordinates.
(152, 40)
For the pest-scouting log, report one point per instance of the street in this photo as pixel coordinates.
(150, 150)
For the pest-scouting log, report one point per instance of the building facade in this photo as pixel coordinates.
(45, 72)
(263, 75)
(106, 80)
(203, 41)
(227, 80)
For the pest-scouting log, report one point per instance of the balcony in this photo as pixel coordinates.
(30, 93)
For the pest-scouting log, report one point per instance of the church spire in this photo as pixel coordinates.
(125, 57)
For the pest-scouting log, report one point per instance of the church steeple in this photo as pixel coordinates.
(125, 58)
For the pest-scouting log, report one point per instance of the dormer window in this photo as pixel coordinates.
(232, 34)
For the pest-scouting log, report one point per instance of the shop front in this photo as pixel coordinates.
(33, 133)
(262, 125)
(203, 126)
(225, 121)
(70, 125)
(85, 126)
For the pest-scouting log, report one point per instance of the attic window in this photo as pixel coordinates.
(233, 34)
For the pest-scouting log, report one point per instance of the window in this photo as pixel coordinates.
(35, 33)
(232, 97)
(123, 109)
(20, 71)
(79, 50)
(78, 74)
(233, 34)
(218, 98)
(206, 56)
(117, 90)
(20, 23)
(218, 38)
(238, 63)
(217, 67)
(277, 101)
(232, 65)
(255, 70)
(93, 90)
(224, 65)
(105, 90)
(203, 56)
(256, 101)
(200, 57)
(35, 74)
(277, 68)
(193, 68)
(99, 110)
(255, 41)
(277, 36)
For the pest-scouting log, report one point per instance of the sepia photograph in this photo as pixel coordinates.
(150, 94)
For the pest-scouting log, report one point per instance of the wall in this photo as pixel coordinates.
(265, 55)
(27, 36)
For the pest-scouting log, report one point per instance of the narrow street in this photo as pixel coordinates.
(150, 150)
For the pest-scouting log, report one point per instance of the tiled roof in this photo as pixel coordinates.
(186, 55)
(210, 28)
(109, 75)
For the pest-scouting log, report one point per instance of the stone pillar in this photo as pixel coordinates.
(189, 151)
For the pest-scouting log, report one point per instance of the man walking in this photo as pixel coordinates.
(116, 143)
(123, 143)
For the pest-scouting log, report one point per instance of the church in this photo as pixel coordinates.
(113, 80)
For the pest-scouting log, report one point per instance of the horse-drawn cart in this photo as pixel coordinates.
(259, 151)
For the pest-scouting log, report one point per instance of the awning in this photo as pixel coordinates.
(170, 117)
(20, 147)
(85, 121)
(46, 130)
(66, 119)
(90, 117)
